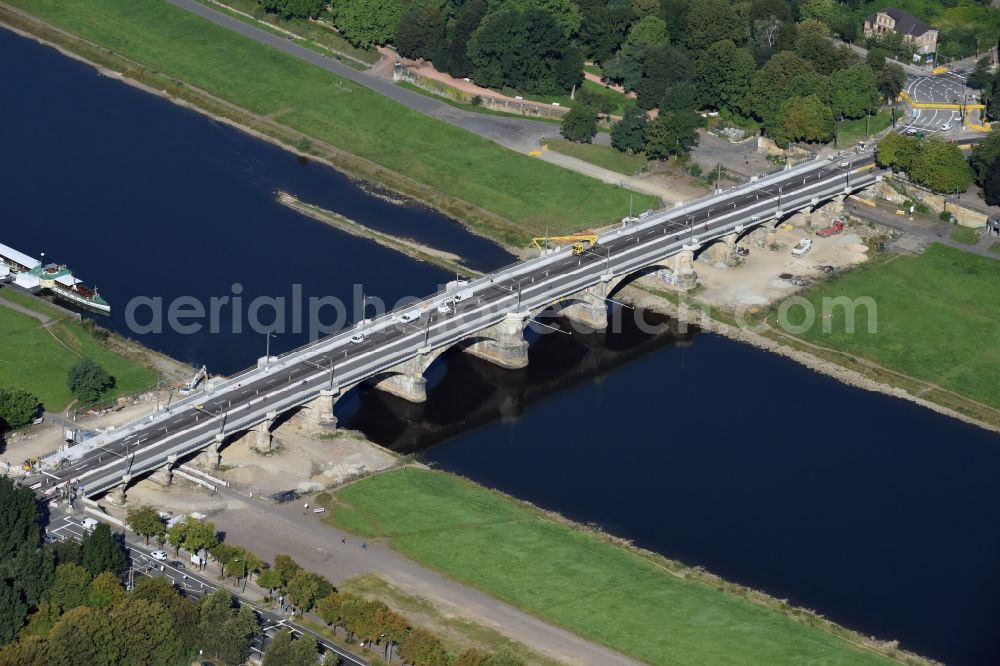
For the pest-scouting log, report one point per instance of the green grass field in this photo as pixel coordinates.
(37, 359)
(617, 102)
(574, 579)
(602, 156)
(310, 30)
(936, 319)
(528, 192)
(852, 131)
(964, 235)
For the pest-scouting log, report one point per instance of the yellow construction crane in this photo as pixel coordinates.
(581, 242)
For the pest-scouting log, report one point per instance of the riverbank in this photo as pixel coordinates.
(508, 196)
(42, 342)
(632, 600)
(839, 357)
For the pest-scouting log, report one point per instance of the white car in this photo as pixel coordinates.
(407, 317)
(89, 523)
(160, 555)
(445, 308)
(945, 127)
(357, 338)
(802, 248)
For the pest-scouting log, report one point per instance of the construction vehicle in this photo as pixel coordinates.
(192, 383)
(29, 464)
(832, 230)
(581, 242)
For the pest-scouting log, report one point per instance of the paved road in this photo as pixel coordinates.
(946, 88)
(195, 585)
(299, 377)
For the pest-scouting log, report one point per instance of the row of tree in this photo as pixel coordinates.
(931, 162)
(304, 591)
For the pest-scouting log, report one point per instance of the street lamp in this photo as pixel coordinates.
(267, 347)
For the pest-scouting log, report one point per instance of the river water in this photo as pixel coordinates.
(875, 512)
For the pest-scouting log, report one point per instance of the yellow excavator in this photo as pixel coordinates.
(581, 242)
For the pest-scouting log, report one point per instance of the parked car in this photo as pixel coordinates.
(802, 248)
(89, 523)
(160, 555)
(945, 127)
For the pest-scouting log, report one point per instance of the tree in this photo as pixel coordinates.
(890, 81)
(820, 10)
(772, 84)
(28, 651)
(455, 58)
(182, 611)
(991, 184)
(40, 622)
(980, 76)
(279, 652)
(270, 580)
(147, 633)
(101, 551)
(198, 535)
(805, 119)
(628, 134)
(681, 96)
(813, 43)
(83, 636)
(105, 591)
(602, 27)
(525, 50)
(421, 32)
(580, 124)
(329, 608)
(17, 408)
(304, 651)
(367, 22)
(286, 568)
(984, 154)
(854, 92)
(672, 133)
(941, 166)
(724, 73)
(649, 30)
(710, 21)
(291, 8)
(224, 554)
(71, 587)
(306, 588)
(88, 381)
(18, 518)
(662, 68)
(897, 151)
(145, 521)
(566, 13)
(13, 610)
(176, 534)
(32, 571)
(422, 648)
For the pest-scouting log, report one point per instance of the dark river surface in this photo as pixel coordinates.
(877, 513)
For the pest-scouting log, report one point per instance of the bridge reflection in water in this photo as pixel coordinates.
(465, 392)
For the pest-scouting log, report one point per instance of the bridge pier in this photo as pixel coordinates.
(592, 311)
(408, 381)
(163, 476)
(116, 495)
(505, 344)
(262, 442)
(321, 410)
(210, 456)
(684, 266)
